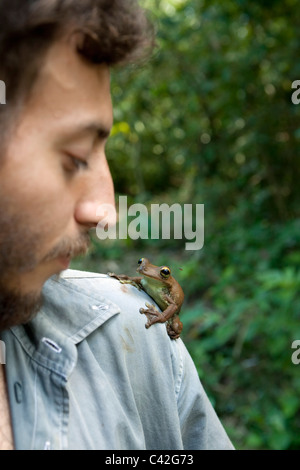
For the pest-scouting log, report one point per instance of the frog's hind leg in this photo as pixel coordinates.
(174, 327)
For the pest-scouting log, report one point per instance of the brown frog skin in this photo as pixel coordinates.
(164, 290)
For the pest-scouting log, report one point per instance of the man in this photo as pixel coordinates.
(81, 372)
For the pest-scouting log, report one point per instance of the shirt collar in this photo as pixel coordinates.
(71, 311)
(77, 307)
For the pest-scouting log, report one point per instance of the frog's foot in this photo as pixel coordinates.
(121, 277)
(173, 334)
(153, 315)
(174, 327)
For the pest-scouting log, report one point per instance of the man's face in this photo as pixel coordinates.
(53, 177)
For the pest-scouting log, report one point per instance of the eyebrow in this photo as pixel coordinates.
(101, 131)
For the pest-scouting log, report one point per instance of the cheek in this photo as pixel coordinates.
(52, 213)
(45, 201)
(43, 207)
(36, 189)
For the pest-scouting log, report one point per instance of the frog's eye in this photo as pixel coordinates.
(140, 260)
(165, 272)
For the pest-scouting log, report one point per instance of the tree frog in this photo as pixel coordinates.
(164, 290)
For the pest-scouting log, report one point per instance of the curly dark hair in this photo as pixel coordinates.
(108, 31)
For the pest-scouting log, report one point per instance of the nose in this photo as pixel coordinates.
(98, 192)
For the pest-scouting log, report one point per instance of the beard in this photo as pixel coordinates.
(17, 308)
(20, 254)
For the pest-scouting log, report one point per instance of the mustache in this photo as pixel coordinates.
(70, 248)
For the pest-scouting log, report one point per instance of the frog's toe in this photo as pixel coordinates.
(149, 323)
(172, 333)
(150, 306)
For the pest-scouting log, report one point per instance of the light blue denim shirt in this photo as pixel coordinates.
(86, 374)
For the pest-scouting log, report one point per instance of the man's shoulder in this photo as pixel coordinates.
(85, 284)
(95, 306)
(80, 298)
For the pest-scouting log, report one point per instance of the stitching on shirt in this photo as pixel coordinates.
(77, 335)
(180, 373)
(63, 282)
(35, 410)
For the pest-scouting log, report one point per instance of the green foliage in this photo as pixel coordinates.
(210, 120)
(243, 328)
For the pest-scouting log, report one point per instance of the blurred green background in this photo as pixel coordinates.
(209, 120)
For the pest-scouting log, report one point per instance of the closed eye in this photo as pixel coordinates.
(72, 164)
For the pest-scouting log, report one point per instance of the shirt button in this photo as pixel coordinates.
(18, 392)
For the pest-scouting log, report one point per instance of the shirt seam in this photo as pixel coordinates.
(112, 308)
(76, 337)
(180, 372)
(64, 282)
(35, 411)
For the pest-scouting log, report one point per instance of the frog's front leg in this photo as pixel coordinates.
(124, 279)
(154, 316)
(151, 313)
